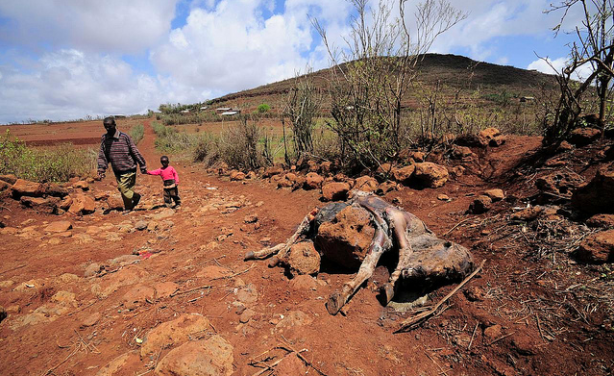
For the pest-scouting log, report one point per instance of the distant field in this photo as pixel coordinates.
(82, 134)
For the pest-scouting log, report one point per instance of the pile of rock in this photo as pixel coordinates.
(74, 197)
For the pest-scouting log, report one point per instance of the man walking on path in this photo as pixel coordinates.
(118, 149)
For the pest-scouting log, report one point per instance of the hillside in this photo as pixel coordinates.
(452, 70)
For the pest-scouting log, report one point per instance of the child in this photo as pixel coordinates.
(171, 181)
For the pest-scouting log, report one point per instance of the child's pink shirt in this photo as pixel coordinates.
(166, 173)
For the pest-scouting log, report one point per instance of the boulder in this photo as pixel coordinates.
(65, 203)
(27, 188)
(583, 136)
(304, 259)
(272, 171)
(528, 214)
(403, 175)
(312, 181)
(480, 205)
(495, 194)
(57, 190)
(431, 175)
(82, 204)
(596, 197)
(211, 357)
(81, 185)
(346, 239)
(366, 184)
(335, 191)
(173, 333)
(385, 187)
(601, 221)
(237, 175)
(58, 226)
(597, 248)
(4, 186)
(138, 295)
(10, 179)
(559, 183)
(326, 167)
(460, 152)
(491, 137)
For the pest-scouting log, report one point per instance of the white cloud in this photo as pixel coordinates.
(555, 66)
(70, 84)
(110, 25)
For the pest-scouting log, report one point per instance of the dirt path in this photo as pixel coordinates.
(63, 321)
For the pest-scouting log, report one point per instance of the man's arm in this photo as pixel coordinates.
(102, 159)
(137, 155)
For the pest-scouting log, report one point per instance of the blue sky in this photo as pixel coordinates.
(68, 59)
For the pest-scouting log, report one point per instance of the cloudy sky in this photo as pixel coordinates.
(69, 59)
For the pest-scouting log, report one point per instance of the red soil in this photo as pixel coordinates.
(545, 329)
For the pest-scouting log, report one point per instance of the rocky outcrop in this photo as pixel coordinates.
(211, 357)
(335, 191)
(430, 175)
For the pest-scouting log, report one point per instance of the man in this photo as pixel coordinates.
(118, 149)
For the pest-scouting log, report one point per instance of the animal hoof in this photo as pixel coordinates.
(273, 262)
(249, 256)
(334, 304)
(386, 293)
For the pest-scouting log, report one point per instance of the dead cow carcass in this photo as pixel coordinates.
(356, 233)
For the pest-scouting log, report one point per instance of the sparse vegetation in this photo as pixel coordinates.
(56, 164)
(264, 108)
(137, 132)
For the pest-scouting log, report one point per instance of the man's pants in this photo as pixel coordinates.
(125, 184)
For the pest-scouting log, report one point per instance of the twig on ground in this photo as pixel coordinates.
(500, 338)
(298, 353)
(412, 322)
(189, 291)
(539, 326)
(10, 270)
(456, 225)
(235, 274)
(473, 335)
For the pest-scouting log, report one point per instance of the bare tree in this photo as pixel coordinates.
(373, 72)
(594, 47)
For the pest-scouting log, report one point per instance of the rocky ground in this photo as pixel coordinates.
(88, 290)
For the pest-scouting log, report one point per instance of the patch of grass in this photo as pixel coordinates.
(57, 164)
(137, 132)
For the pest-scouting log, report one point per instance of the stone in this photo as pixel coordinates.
(138, 295)
(10, 179)
(335, 191)
(326, 167)
(458, 171)
(294, 318)
(312, 181)
(116, 366)
(272, 171)
(58, 226)
(92, 270)
(57, 190)
(4, 186)
(365, 184)
(597, 248)
(247, 294)
(560, 183)
(83, 239)
(583, 136)
(163, 214)
(529, 214)
(304, 283)
(385, 187)
(291, 365)
(140, 225)
(173, 333)
(404, 174)
(431, 175)
(304, 259)
(601, 221)
(211, 357)
(492, 333)
(82, 204)
(6, 284)
(237, 175)
(443, 197)
(491, 137)
(480, 204)
(495, 194)
(165, 289)
(91, 320)
(251, 218)
(65, 203)
(246, 315)
(44, 205)
(81, 185)
(64, 297)
(27, 188)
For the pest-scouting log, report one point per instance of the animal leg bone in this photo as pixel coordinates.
(379, 245)
(283, 248)
(399, 224)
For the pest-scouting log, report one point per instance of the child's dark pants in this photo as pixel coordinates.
(171, 193)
